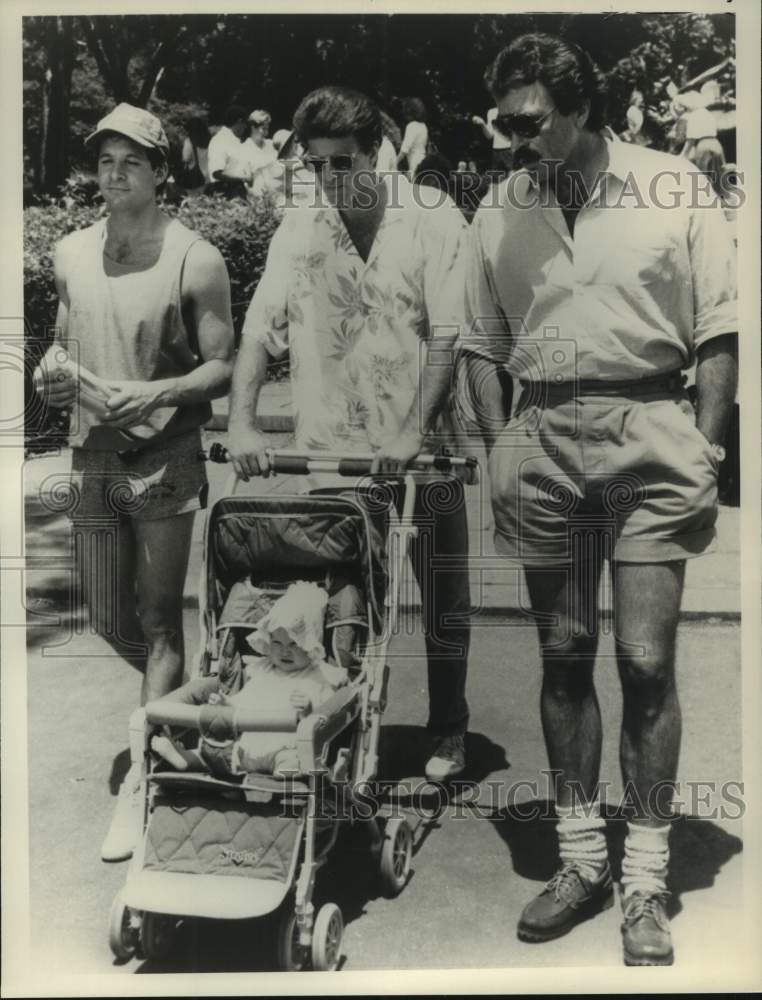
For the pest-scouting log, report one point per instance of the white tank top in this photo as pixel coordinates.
(129, 325)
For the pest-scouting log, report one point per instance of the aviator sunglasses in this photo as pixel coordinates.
(340, 162)
(524, 126)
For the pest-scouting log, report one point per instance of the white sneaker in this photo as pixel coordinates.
(126, 823)
(448, 759)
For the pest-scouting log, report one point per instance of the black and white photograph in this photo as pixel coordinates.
(380, 448)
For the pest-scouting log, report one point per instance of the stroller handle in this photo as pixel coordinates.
(303, 463)
(221, 721)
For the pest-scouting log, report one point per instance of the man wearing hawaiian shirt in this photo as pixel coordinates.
(358, 284)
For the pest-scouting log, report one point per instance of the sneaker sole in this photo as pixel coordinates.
(536, 936)
(114, 859)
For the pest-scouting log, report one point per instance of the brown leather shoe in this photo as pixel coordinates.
(567, 899)
(645, 929)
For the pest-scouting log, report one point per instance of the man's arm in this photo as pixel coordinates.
(57, 386)
(713, 278)
(716, 383)
(486, 344)
(489, 391)
(246, 442)
(444, 247)
(206, 300)
(265, 334)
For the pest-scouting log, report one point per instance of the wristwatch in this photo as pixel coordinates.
(718, 451)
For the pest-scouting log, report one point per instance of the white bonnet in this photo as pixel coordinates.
(301, 613)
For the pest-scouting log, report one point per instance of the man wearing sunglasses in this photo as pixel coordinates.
(598, 276)
(360, 287)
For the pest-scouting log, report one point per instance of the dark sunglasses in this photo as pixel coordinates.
(524, 126)
(340, 162)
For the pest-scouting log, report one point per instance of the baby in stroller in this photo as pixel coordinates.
(288, 675)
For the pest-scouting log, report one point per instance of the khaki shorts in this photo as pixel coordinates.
(147, 485)
(637, 472)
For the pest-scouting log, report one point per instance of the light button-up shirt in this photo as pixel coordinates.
(358, 332)
(648, 276)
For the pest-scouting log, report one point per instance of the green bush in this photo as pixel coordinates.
(241, 231)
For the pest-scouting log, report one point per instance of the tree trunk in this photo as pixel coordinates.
(54, 149)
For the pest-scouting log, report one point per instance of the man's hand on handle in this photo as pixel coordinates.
(247, 448)
(398, 454)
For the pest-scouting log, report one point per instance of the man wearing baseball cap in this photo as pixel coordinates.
(144, 317)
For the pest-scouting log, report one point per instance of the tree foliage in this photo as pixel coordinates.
(208, 61)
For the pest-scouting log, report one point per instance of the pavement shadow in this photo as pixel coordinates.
(120, 765)
(698, 847)
(404, 750)
(55, 618)
(208, 946)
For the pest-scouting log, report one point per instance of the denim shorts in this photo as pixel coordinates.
(635, 472)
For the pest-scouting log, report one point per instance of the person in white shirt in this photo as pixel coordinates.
(227, 166)
(596, 301)
(415, 141)
(258, 152)
(387, 157)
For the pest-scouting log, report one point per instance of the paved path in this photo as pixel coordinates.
(474, 868)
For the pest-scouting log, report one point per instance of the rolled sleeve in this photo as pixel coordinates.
(267, 316)
(713, 274)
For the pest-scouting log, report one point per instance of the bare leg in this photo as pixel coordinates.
(647, 605)
(163, 547)
(571, 721)
(105, 561)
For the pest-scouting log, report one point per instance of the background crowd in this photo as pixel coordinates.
(226, 87)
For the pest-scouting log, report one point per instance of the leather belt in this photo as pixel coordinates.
(538, 391)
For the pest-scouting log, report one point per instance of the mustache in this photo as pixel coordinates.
(525, 156)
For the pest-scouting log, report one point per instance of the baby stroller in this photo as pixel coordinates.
(239, 849)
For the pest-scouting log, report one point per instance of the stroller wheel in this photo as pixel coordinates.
(291, 956)
(157, 935)
(123, 934)
(326, 938)
(396, 855)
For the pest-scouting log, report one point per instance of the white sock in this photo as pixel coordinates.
(646, 857)
(581, 840)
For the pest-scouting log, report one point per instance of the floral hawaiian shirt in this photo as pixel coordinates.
(358, 332)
